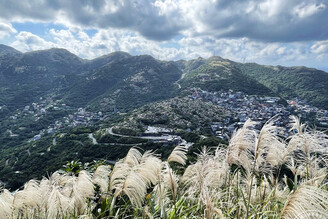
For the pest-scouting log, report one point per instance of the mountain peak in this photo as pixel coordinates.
(53, 54)
(57, 51)
(7, 50)
(113, 55)
(216, 58)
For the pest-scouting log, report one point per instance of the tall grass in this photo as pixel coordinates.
(258, 175)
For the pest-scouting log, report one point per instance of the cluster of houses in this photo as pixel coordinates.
(39, 109)
(81, 117)
(257, 108)
(302, 108)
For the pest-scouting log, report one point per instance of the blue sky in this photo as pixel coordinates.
(273, 32)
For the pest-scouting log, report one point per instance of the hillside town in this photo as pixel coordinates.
(257, 108)
(67, 116)
(238, 106)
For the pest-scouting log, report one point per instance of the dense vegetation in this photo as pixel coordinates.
(258, 175)
(182, 113)
(290, 82)
(217, 74)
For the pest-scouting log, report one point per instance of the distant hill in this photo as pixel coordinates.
(8, 51)
(216, 73)
(306, 83)
(119, 80)
(25, 77)
(125, 82)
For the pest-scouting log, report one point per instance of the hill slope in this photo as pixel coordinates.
(290, 82)
(125, 83)
(215, 74)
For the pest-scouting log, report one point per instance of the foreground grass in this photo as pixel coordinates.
(258, 175)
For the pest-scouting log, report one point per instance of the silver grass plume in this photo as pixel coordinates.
(28, 200)
(149, 168)
(207, 174)
(297, 125)
(178, 155)
(135, 188)
(101, 178)
(267, 142)
(6, 204)
(59, 206)
(167, 186)
(307, 141)
(170, 181)
(306, 200)
(133, 157)
(82, 190)
(126, 180)
(241, 145)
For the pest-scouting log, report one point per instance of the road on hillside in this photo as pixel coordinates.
(155, 138)
(94, 141)
(163, 137)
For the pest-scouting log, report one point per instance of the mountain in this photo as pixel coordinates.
(27, 77)
(306, 83)
(125, 82)
(8, 51)
(216, 73)
(118, 79)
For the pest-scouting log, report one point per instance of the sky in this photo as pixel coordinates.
(272, 32)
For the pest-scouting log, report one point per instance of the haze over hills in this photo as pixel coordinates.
(40, 89)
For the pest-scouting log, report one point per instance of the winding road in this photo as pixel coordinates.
(153, 138)
(94, 141)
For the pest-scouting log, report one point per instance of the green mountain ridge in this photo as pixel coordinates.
(307, 83)
(216, 73)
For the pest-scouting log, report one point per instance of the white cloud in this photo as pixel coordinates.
(26, 41)
(320, 47)
(6, 29)
(304, 10)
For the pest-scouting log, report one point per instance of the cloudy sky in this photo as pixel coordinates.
(292, 32)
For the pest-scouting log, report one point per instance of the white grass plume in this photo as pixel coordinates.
(240, 146)
(118, 176)
(6, 204)
(306, 200)
(29, 200)
(170, 181)
(178, 155)
(135, 188)
(306, 140)
(129, 176)
(59, 206)
(101, 178)
(297, 125)
(82, 190)
(133, 157)
(149, 168)
(266, 144)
